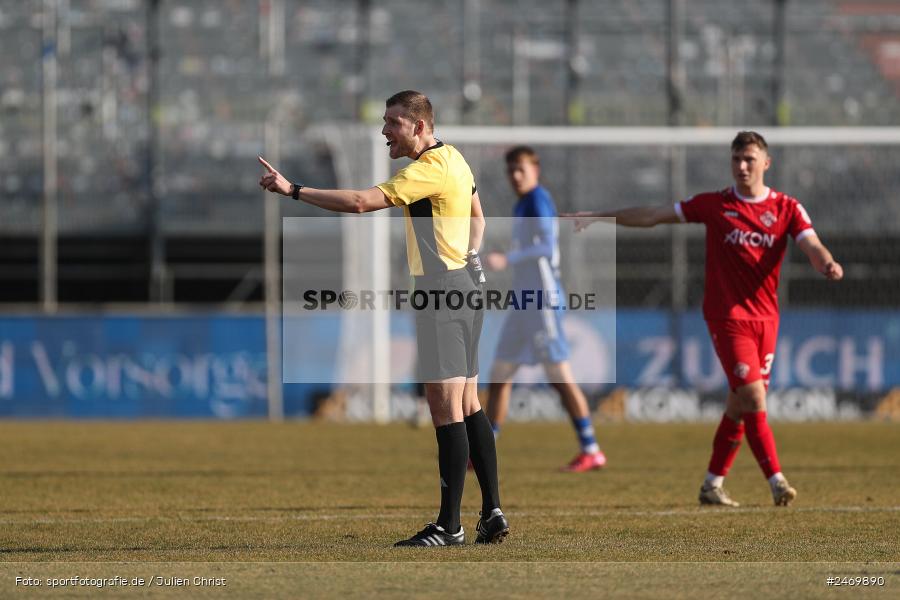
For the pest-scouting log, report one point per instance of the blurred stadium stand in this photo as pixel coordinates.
(224, 69)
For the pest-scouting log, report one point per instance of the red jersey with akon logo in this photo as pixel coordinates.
(745, 243)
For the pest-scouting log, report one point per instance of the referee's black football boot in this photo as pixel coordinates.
(492, 530)
(435, 535)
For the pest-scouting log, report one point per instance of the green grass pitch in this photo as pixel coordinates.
(312, 510)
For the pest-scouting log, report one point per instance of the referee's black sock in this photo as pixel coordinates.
(453, 452)
(483, 451)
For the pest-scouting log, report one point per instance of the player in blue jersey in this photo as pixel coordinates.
(535, 336)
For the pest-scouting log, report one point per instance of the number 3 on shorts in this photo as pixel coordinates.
(768, 366)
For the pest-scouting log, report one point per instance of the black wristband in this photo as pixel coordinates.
(295, 191)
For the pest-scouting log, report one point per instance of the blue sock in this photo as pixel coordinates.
(584, 427)
(495, 427)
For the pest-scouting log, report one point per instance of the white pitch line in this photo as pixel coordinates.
(697, 512)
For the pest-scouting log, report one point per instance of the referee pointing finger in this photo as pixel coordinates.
(445, 225)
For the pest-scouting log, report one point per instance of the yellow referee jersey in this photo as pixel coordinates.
(435, 192)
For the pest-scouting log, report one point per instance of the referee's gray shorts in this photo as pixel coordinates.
(447, 330)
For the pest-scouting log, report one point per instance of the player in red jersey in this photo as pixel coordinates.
(747, 226)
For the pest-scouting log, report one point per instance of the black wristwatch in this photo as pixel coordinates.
(295, 191)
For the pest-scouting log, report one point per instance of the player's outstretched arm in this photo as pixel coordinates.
(348, 201)
(639, 216)
(820, 258)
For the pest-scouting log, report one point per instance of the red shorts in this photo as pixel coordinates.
(746, 349)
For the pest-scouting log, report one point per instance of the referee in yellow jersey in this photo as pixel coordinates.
(444, 227)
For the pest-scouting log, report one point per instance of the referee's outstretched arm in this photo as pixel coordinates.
(347, 201)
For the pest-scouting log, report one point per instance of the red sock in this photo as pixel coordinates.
(725, 445)
(762, 442)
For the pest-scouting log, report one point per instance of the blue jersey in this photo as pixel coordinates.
(530, 336)
(534, 251)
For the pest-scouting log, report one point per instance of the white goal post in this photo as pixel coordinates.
(665, 136)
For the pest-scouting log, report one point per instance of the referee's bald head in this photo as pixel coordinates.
(416, 106)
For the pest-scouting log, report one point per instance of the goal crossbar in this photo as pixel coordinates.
(666, 136)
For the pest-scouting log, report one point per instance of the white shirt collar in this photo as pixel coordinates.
(751, 199)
